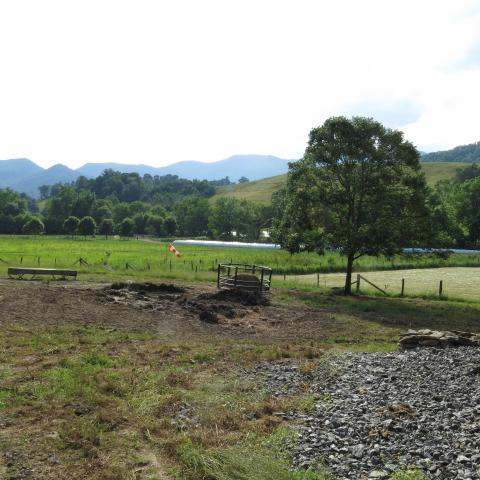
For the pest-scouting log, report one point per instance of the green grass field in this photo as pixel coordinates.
(261, 190)
(117, 258)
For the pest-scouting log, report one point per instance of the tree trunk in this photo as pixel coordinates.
(348, 279)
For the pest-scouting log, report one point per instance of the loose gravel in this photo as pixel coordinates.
(386, 411)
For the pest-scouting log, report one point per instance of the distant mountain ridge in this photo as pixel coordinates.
(25, 176)
(463, 153)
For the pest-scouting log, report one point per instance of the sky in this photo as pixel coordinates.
(156, 82)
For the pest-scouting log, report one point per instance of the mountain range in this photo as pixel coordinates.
(23, 175)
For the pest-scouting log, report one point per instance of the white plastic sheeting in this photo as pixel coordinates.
(215, 243)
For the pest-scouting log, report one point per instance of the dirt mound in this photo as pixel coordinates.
(236, 295)
(209, 317)
(147, 287)
(224, 307)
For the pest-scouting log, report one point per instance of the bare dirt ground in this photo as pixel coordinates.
(171, 312)
(93, 377)
(114, 382)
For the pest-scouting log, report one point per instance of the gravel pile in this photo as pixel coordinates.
(282, 378)
(387, 410)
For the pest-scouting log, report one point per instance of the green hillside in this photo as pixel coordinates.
(257, 191)
(436, 171)
(261, 190)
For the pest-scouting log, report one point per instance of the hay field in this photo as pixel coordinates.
(459, 282)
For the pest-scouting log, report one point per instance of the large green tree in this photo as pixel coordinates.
(87, 226)
(192, 215)
(70, 225)
(233, 218)
(358, 189)
(106, 227)
(468, 208)
(127, 227)
(34, 226)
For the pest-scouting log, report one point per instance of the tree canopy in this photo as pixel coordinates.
(358, 189)
(87, 226)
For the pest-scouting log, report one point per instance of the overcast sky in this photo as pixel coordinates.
(154, 81)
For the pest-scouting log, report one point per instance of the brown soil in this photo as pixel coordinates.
(169, 310)
(56, 440)
(201, 336)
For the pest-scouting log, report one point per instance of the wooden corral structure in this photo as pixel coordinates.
(254, 278)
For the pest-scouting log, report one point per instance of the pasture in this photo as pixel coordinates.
(146, 258)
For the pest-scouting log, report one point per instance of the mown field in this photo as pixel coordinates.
(261, 190)
(147, 258)
(457, 282)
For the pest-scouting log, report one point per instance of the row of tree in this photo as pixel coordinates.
(74, 211)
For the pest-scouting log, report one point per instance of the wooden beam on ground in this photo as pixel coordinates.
(41, 271)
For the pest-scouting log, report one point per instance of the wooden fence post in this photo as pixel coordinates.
(318, 279)
(440, 288)
(403, 287)
(358, 283)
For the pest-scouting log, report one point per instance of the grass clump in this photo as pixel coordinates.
(267, 460)
(408, 473)
(76, 378)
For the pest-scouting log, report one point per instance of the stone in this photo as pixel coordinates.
(436, 338)
(385, 411)
(378, 474)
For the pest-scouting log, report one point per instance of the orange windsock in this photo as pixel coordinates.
(173, 250)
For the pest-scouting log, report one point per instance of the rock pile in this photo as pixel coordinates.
(391, 410)
(435, 338)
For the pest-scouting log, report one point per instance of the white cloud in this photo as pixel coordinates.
(156, 82)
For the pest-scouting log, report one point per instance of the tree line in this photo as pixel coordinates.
(160, 206)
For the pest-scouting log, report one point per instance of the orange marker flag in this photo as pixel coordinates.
(173, 250)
